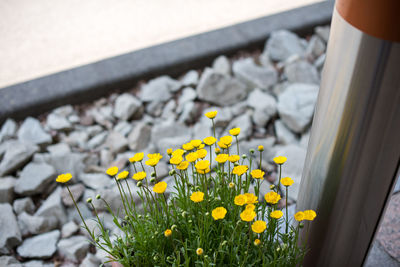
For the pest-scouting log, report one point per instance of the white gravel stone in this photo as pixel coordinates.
(7, 189)
(190, 78)
(123, 127)
(283, 134)
(30, 224)
(323, 32)
(23, 205)
(64, 111)
(127, 106)
(188, 113)
(220, 89)
(245, 125)
(31, 131)
(293, 168)
(188, 94)
(282, 44)
(34, 179)
(59, 149)
(159, 89)
(41, 246)
(254, 75)
(15, 156)
(58, 122)
(76, 190)
(10, 234)
(116, 142)
(9, 261)
(97, 140)
(139, 137)
(222, 65)
(90, 261)
(78, 138)
(264, 107)
(224, 116)
(52, 208)
(96, 180)
(296, 106)
(316, 47)
(69, 229)
(301, 71)
(8, 130)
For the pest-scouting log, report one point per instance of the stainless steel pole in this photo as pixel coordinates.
(354, 150)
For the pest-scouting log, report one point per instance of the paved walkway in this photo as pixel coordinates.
(46, 36)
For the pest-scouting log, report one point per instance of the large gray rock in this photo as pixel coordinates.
(282, 44)
(296, 106)
(159, 89)
(96, 180)
(34, 179)
(116, 142)
(264, 107)
(220, 89)
(15, 156)
(41, 246)
(31, 131)
(23, 205)
(10, 234)
(58, 122)
(7, 189)
(300, 71)
(52, 208)
(127, 106)
(29, 224)
(253, 75)
(140, 136)
(8, 130)
(283, 134)
(293, 167)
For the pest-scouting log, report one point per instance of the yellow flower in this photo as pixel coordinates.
(122, 175)
(160, 187)
(218, 213)
(201, 153)
(227, 139)
(260, 148)
(137, 157)
(202, 165)
(152, 162)
(234, 131)
(63, 178)
(175, 160)
(287, 181)
(222, 158)
(248, 215)
(209, 140)
(280, 160)
(231, 185)
(155, 156)
(257, 174)
(299, 216)
(240, 200)
(191, 157)
(197, 196)
(276, 214)
(272, 197)
(183, 165)
(223, 145)
(217, 150)
(259, 227)
(169, 151)
(196, 143)
(178, 152)
(240, 170)
(112, 171)
(309, 215)
(234, 158)
(199, 251)
(250, 206)
(203, 171)
(201, 146)
(211, 114)
(251, 198)
(187, 146)
(168, 233)
(257, 242)
(139, 176)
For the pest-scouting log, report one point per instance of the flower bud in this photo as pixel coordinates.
(207, 213)
(169, 258)
(89, 200)
(129, 236)
(244, 156)
(96, 239)
(272, 186)
(231, 185)
(184, 214)
(153, 174)
(301, 225)
(173, 227)
(98, 196)
(155, 258)
(172, 172)
(260, 148)
(126, 217)
(251, 151)
(190, 221)
(140, 216)
(235, 164)
(197, 188)
(139, 184)
(153, 180)
(205, 257)
(156, 233)
(224, 243)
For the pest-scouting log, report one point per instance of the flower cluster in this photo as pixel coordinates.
(214, 213)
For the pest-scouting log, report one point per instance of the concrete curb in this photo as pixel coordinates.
(94, 80)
